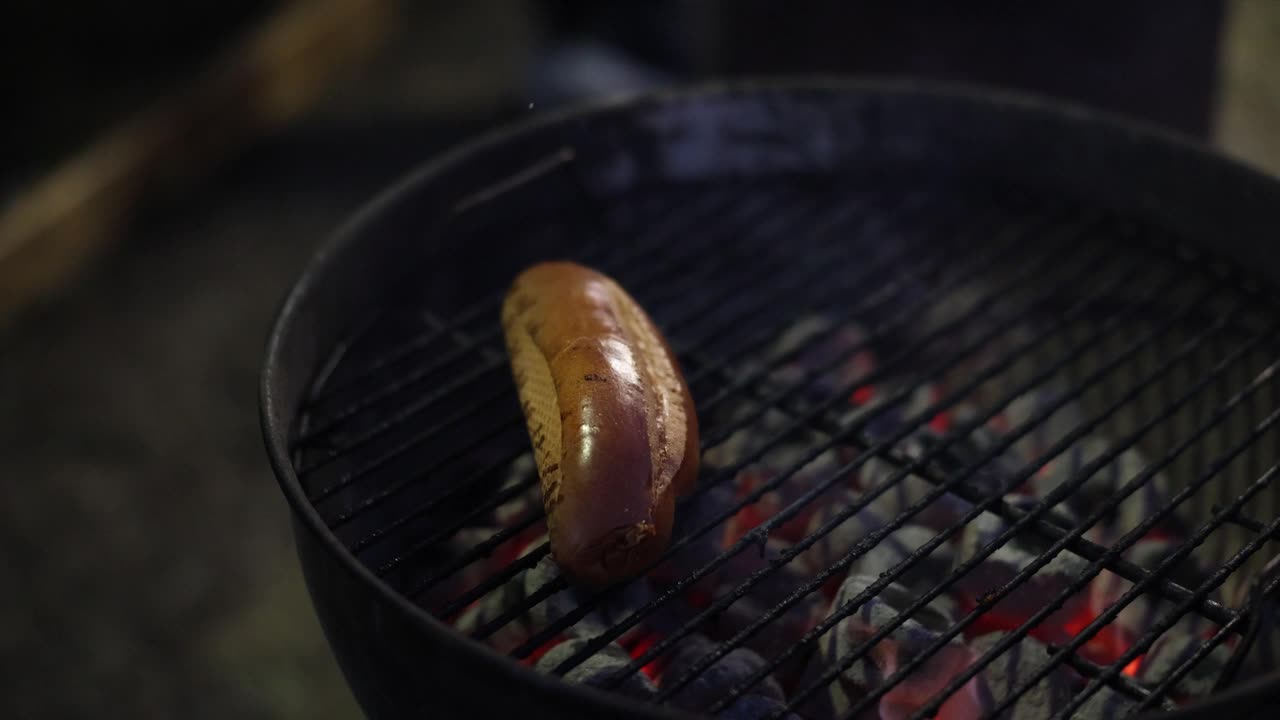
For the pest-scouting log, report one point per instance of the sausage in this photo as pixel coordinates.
(612, 423)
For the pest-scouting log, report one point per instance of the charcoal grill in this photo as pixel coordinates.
(986, 247)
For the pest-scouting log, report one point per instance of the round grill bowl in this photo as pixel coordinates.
(455, 231)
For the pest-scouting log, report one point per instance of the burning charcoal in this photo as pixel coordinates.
(896, 547)
(1136, 618)
(822, 343)
(716, 681)
(780, 632)
(760, 429)
(903, 644)
(613, 609)
(837, 543)
(1008, 671)
(1065, 468)
(1105, 704)
(1263, 656)
(599, 668)
(908, 490)
(523, 470)
(816, 472)
(757, 707)
(999, 568)
(992, 474)
(699, 511)
(882, 419)
(1099, 489)
(1034, 444)
(1170, 651)
(492, 606)
(832, 701)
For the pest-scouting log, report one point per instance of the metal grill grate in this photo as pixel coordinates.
(408, 443)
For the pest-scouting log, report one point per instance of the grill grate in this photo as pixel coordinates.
(988, 293)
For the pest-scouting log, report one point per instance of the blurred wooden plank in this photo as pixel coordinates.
(51, 229)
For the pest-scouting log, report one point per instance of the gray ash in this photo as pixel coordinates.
(1012, 557)
(903, 644)
(837, 543)
(908, 490)
(1106, 704)
(897, 547)
(613, 607)
(1173, 649)
(598, 669)
(1033, 445)
(1008, 671)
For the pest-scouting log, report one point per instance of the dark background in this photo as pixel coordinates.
(147, 561)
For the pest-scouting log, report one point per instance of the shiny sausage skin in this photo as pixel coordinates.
(612, 422)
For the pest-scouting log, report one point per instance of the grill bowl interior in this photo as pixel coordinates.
(1069, 249)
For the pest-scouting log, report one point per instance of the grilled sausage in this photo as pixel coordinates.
(611, 419)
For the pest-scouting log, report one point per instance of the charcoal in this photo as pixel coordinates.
(1170, 651)
(906, 491)
(903, 644)
(781, 632)
(879, 419)
(1008, 671)
(1099, 489)
(759, 430)
(1136, 618)
(757, 707)
(832, 701)
(771, 588)
(490, 607)
(816, 472)
(469, 575)
(510, 597)
(614, 608)
(975, 448)
(1106, 704)
(824, 343)
(1263, 655)
(999, 568)
(716, 681)
(700, 510)
(599, 668)
(523, 470)
(837, 543)
(1031, 446)
(896, 547)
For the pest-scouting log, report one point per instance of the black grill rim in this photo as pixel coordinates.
(1236, 215)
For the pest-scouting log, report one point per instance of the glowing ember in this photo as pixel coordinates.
(640, 647)
(1132, 668)
(863, 395)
